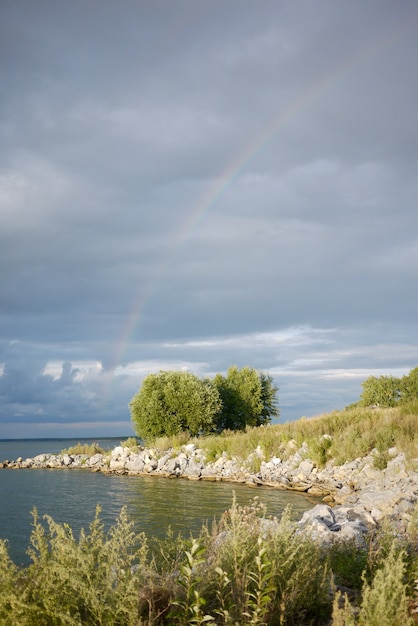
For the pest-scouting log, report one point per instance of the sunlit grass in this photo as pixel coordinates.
(132, 443)
(341, 435)
(88, 449)
(174, 442)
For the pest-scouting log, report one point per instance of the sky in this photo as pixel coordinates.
(194, 184)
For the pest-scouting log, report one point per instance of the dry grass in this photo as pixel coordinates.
(84, 448)
(340, 435)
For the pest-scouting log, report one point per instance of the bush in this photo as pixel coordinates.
(384, 600)
(172, 402)
(247, 568)
(89, 581)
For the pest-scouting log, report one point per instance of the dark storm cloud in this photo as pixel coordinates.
(183, 183)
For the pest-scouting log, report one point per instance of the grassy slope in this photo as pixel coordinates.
(349, 434)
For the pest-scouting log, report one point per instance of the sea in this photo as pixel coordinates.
(155, 504)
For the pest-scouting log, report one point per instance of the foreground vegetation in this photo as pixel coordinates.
(244, 569)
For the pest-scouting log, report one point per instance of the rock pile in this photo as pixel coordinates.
(361, 495)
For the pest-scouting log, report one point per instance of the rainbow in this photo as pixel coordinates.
(228, 177)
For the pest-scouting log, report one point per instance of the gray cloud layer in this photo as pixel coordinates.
(196, 184)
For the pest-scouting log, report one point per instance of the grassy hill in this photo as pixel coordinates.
(341, 436)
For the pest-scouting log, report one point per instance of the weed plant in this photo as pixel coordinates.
(132, 443)
(174, 442)
(246, 568)
(89, 449)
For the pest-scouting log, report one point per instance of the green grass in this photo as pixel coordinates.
(341, 435)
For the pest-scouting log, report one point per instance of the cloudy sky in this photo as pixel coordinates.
(201, 183)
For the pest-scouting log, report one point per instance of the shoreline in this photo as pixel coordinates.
(356, 496)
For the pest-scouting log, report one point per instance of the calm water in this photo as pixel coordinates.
(155, 504)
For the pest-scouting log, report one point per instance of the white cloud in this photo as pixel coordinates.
(83, 369)
(292, 335)
(139, 369)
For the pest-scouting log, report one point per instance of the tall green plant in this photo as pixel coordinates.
(384, 600)
(247, 569)
(260, 587)
(86, 581)
(189, 609)
(12, 605)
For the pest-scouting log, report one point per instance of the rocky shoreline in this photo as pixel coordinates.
(356, 496)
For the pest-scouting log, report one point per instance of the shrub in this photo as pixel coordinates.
(10, 585)
(409, 386)
(275, 573)
(388, 391)
(247, 568)
(347, 563)
(384, 600)
(319, 450)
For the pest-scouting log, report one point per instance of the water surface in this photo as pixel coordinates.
(154, 503)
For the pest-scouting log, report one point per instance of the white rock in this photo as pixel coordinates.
(117, 452)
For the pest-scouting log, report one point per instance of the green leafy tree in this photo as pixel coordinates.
(268, 398)
(174, 401)
(384, 391)
(248, 398)
(409, 386)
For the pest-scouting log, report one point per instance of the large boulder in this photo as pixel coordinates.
(328, 525)
(96, 459)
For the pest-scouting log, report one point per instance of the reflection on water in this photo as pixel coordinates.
(154, 503)
(157, 503)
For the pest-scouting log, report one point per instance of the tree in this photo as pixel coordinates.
(248, 398)
(174, 401)
(409, 386)
(268, 398)
(384, 391)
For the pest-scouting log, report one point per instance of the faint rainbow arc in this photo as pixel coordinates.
(231, 173)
